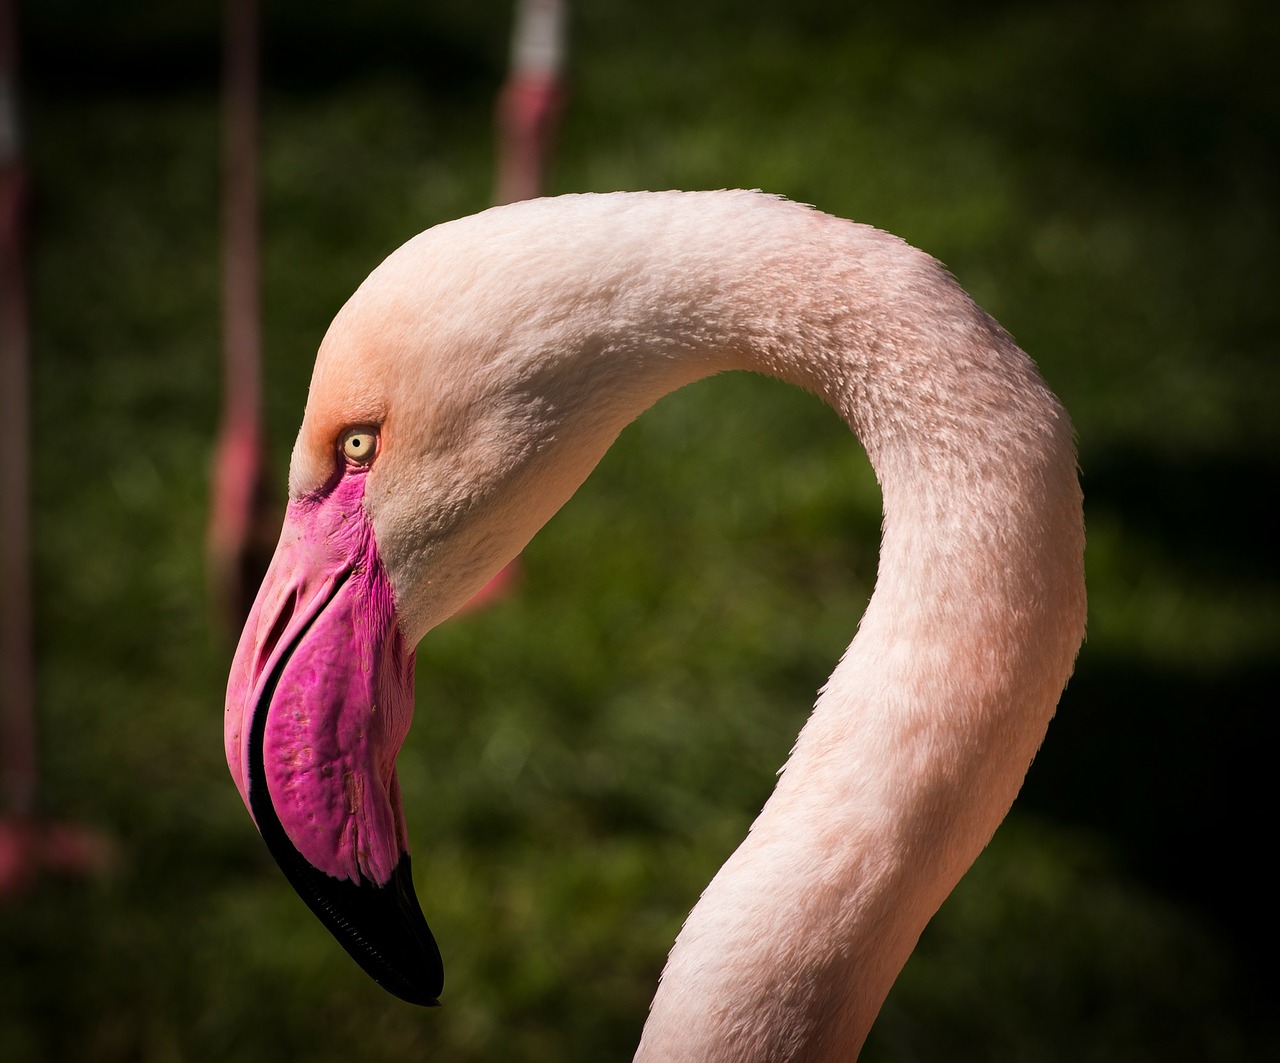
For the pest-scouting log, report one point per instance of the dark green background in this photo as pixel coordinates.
(1103, 177)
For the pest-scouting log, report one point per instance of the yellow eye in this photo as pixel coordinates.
(359, 445)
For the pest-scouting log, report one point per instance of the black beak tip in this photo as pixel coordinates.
(382, 927)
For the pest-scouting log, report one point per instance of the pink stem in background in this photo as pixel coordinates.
(27, 845)
(17, 691)
(531, 100)
(242, 523)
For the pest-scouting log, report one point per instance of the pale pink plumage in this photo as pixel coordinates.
(499, 356)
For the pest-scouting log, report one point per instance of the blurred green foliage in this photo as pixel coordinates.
(1102, 176)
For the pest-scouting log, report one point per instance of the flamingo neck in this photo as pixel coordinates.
(921, 738)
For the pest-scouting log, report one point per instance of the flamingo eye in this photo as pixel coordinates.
(360, 445)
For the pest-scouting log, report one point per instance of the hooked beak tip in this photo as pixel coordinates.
(381, 926)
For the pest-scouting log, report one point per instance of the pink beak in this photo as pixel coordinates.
(318, 704)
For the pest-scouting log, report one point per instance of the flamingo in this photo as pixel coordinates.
(529, 106)
(29, 843)
(462, 395)
(243, 516)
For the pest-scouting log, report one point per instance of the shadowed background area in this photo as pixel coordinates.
(588, 750)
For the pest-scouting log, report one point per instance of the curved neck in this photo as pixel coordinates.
(921, 738)
(581, 314)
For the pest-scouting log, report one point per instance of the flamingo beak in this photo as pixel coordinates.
(318, 704)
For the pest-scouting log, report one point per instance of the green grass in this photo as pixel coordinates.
(586, 753)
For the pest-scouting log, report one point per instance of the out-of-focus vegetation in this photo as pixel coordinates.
(1102, 176)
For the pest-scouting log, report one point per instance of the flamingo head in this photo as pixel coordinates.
(439, 435)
